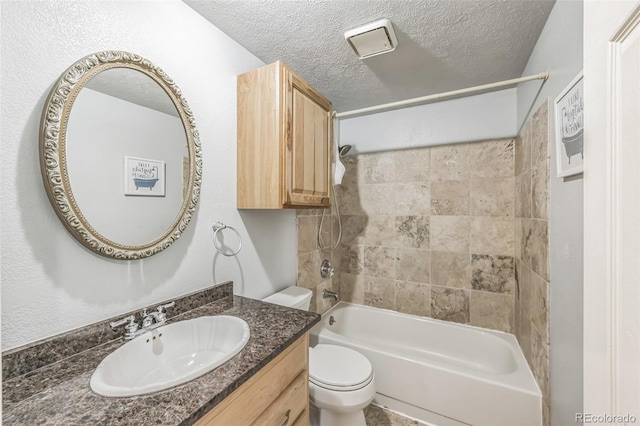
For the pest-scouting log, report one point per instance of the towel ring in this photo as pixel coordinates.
(219, 226)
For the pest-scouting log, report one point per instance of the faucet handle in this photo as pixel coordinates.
(130, 328)
(131, 319)
(167, 306)
(161, 315)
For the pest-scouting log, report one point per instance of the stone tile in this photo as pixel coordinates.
(450, 162)
(540, 190)
(413, 198)
(450, 304)
(518, 241)
(349, 199)
(450, 269)
(413, 265)
(336, 258)
(352, 288)
(380, 231)
(307, 233)
(524, 338)
(535, 240)
(412, 165)
(524, 295)
(378, 416)
(352, 229)
(380, 262)
(492, 196)
(492, 235)
(379, 167)
(517, 329)
(540, 134)
(353, 175)
(449, 233)
(309, 269)
(328, 231)
(449, 197)
(522, 200)
(352, 259)
(491, 310)
(522, 150)
(539, 306)
(379, 199)
(540, 363)
(492, 273)
(413, 298)
(492, 158)
(380, 292)
(412, 231)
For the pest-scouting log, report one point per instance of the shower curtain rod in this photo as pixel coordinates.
(414, 101)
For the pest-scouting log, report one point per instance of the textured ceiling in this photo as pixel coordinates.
(442, 45)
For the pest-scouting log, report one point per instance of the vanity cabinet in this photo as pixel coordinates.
(284, 141)
(278, 394)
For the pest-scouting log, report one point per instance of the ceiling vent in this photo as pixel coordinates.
(372, 39)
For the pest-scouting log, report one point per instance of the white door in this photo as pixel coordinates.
(612, 211)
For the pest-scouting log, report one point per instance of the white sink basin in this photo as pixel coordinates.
(170, 356)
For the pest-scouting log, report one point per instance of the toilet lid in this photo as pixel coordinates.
(338, 368)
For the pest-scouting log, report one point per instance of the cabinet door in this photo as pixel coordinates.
(308, 146)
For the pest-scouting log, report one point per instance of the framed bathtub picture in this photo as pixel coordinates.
(569, 128)
(144, 177)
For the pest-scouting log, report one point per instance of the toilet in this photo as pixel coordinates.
(341, 381)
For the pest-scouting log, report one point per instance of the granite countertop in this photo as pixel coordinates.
(59, 393)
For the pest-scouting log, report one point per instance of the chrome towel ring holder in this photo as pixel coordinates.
(219, 226)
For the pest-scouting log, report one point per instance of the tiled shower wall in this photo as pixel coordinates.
(455, 232)
(310, 255)
(532, 247)
(430, 232)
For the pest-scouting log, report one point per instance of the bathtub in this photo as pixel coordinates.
(435, 371)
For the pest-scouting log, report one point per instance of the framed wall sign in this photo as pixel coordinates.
(569, 128)
(144, 177)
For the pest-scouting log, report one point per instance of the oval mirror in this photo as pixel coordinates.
(120, 155)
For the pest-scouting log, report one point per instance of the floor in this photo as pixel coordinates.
(378, 416)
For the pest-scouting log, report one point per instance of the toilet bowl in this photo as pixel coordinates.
(341, 385)
(341, 380)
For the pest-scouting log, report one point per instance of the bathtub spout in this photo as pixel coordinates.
(326, 294)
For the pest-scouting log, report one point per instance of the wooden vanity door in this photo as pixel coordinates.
(307, 163)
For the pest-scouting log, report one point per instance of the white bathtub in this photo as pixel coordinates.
(438, 372)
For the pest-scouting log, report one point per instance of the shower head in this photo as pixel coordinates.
(343, 150)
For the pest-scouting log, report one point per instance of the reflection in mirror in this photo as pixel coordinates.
(120, 155)
(102, 131)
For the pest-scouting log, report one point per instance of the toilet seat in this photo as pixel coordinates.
(338, 368)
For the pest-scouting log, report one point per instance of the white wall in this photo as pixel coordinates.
(474, 118)
(559, 50)
(50, 283)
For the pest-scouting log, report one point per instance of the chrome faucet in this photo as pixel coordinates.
(326, 294)
(149, 321)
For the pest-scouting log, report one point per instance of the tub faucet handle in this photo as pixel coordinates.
(326, 269)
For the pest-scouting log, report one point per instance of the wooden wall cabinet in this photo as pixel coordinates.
(284, 141)
(278, 394)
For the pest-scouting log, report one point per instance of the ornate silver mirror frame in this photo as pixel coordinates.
(53, 161)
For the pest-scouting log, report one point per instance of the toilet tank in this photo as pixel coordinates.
(293, 297)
